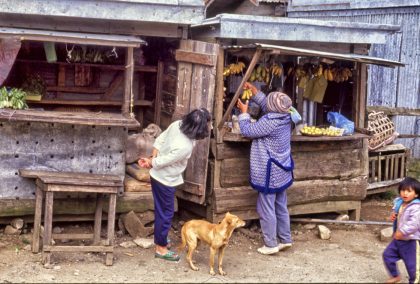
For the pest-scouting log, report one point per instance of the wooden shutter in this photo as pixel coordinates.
(195, 89)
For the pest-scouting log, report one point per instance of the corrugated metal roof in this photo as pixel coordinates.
(290, 29)
(159, 11)
(324, 5)
(331, 55)
(69, 37)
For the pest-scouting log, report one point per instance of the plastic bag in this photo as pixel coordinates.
(338, 120)
(296, 118)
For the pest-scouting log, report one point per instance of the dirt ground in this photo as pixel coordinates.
(353, 254)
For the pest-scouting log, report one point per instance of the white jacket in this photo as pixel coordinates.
(174, 151)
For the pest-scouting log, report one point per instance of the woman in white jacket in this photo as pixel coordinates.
(171, 152)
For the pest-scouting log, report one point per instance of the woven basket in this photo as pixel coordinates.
(383, 130)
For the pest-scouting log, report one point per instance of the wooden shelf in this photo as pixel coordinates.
(90, 118)
(232, 137)
(139, 68)
(89, 103)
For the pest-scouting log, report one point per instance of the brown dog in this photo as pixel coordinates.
(215, 235)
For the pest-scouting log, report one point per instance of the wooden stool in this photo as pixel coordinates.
(50, 182)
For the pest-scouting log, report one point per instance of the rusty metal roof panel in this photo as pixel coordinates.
(291, 29)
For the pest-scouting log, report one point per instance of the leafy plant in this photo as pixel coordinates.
(13, 98)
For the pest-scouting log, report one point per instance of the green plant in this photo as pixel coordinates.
(12, 98)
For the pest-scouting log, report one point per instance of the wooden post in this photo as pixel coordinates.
(37, 219)
(128, 82)
(98, 219)
(359, 95)
(158, 98)
(251, 66)
(218, 102)
(49, 199)
(111, 227)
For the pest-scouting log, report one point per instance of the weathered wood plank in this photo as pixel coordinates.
(138, 202)
(49, 248)
(234, 172)
(328, 206)
(195, 57)
(89, 118)
(317, 190)
(391, 111)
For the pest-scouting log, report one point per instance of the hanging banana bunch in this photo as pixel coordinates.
(246, 95)
(276, 70)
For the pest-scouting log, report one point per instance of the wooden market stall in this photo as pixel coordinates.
(331, 173)
(67, 140)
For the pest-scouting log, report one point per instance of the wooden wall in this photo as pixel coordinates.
(63, 147)
(324, 172)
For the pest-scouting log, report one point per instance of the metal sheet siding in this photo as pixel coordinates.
(399, 87)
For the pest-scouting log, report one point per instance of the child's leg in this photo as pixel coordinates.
(283, 218)
(390, 258)
(410, 251)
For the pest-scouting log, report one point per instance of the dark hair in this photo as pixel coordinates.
(195, 124)
(410, 182)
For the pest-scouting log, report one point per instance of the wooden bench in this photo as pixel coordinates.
(50, 182)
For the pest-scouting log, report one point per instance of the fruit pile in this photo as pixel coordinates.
(317, 131)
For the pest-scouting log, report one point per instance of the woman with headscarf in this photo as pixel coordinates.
(271, 164)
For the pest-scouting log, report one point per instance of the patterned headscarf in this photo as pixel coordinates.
(278, 102)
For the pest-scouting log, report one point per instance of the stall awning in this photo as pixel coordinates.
(264, 28)
(322, 54)
(71, 37)
(183, 12)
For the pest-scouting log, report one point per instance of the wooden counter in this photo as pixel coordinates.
(77, 118)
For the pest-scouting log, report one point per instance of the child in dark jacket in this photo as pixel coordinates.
(405, 244)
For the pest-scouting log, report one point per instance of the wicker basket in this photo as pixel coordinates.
(383, 130)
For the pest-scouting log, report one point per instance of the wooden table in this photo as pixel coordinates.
(50, 182)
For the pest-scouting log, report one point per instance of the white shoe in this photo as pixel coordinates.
(284, 246)
(268, 250)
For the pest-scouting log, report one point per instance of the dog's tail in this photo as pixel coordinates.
(181, 247)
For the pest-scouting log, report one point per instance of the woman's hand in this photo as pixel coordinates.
(145, 163)
(242, 107)
(251, 87)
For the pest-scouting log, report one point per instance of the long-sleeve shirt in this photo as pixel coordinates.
(174, 151)
(408, 218)
(271, 164)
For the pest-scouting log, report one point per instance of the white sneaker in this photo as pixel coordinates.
(268, 250)
(284, 246)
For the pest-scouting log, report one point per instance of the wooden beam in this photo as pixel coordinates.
(113, 86)
(128, 82)
(82, 90)
(195, 57)
(395, 110)
(251, 66)
(218, 101)
(158, 97)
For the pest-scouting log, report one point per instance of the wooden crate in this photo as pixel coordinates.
(387, 167)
